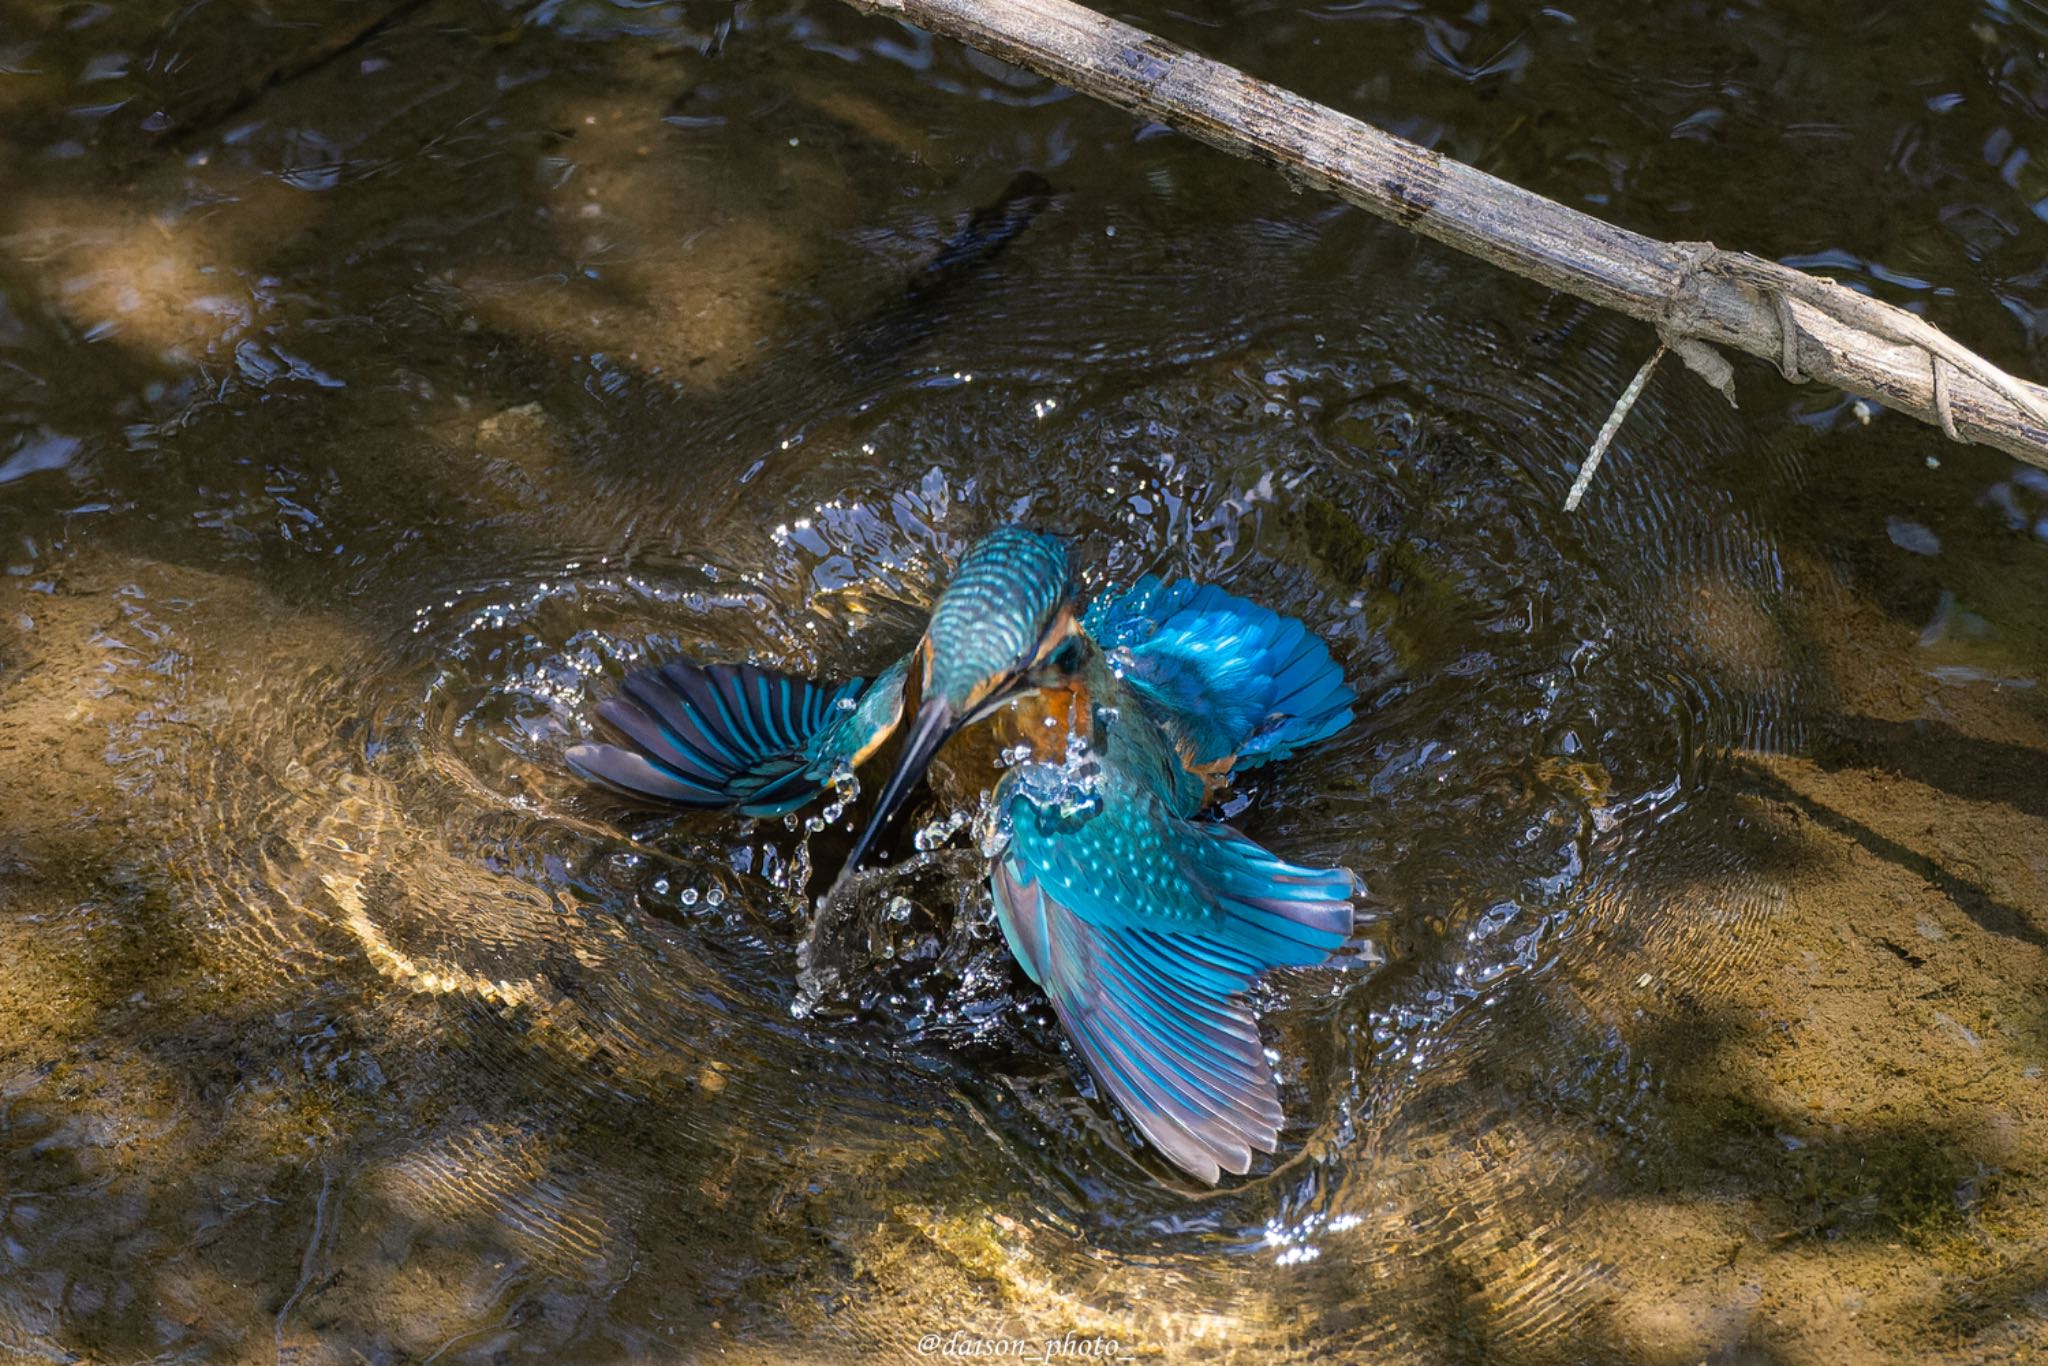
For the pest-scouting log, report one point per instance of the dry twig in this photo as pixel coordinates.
(1610, 427)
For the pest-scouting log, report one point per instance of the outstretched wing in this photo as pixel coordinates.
(736, 736)
(1146, 932)
(1225, 677)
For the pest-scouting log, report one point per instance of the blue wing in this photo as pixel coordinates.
(1222, 676)
(737, 737)
(1146, 932)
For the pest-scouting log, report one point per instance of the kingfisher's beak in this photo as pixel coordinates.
(929, 731)
(935, 723)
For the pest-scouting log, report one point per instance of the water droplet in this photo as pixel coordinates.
(689, 896)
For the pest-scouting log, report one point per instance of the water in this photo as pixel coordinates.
(362, 420)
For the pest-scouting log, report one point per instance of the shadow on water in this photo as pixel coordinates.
(1989, 913)
(398, 360)
(1918, 1178)
(358, 435)
(1938, 754)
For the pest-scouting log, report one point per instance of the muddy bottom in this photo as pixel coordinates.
(374, 395)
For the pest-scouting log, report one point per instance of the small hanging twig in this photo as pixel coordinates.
(1943, 409)
(1610, 427)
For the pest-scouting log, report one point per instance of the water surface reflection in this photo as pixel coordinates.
(363, 419)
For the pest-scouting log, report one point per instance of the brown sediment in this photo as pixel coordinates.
(331, 1016)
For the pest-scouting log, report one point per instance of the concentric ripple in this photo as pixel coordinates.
(614, 996)
(1528, 795)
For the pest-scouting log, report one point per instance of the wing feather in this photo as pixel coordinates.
(736, 736)
(1146, 932)
(1226, 678)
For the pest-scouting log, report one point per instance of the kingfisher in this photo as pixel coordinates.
(1144, 920)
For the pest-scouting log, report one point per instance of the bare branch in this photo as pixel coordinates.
(1697, 296)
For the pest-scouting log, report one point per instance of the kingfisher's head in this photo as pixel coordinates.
(1007, 610)
(1004, 626)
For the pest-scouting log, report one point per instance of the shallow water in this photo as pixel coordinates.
(363, 418)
